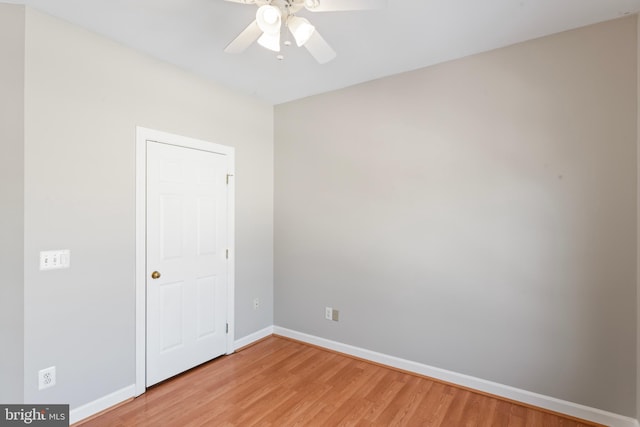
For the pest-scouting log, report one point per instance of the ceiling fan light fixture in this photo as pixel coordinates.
(301, 29)
(311, 4)
(270, 41)
(272, 14)
(269, 18)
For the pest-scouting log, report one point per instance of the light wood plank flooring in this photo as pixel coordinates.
(279, 382)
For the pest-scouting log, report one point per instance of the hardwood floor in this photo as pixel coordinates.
(279, 382)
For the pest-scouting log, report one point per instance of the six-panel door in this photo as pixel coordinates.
(186, 244)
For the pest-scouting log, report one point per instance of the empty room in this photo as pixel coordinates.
(319, 212)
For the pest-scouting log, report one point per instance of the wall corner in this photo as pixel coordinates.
(12, 52)
(638, 218)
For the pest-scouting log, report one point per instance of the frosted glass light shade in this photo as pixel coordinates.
(301, 29)
(269, 18)
(270, 41)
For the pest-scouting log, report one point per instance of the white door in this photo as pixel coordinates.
(186, 263)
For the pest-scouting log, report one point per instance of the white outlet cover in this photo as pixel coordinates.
(46, 377)
(328, 313)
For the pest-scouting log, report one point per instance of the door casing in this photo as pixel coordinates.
(142, 136)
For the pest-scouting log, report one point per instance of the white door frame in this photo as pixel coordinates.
(142, 136)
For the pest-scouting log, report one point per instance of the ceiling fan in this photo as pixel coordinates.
(272, 14)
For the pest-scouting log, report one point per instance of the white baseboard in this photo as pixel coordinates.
(251, 338)
(535, 399)
(119, 396)
(542, 401)
(98, 405)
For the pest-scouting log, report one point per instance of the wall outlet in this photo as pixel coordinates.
(256, 303)
(331, 314)
(46, 378)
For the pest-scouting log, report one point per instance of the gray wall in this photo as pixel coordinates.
(477, 216)
(85, 96)
(12, 23)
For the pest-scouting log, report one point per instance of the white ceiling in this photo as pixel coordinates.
(407, 35)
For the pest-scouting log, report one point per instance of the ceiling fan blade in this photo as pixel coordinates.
(340, 5)
(244, 39)
(319, 48)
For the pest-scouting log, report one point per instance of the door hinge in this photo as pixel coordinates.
(227, 253)
(228, 175)
(227, 328)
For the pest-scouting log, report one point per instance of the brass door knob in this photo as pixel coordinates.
(155, 275)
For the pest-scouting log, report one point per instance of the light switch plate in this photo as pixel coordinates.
(53, 260)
